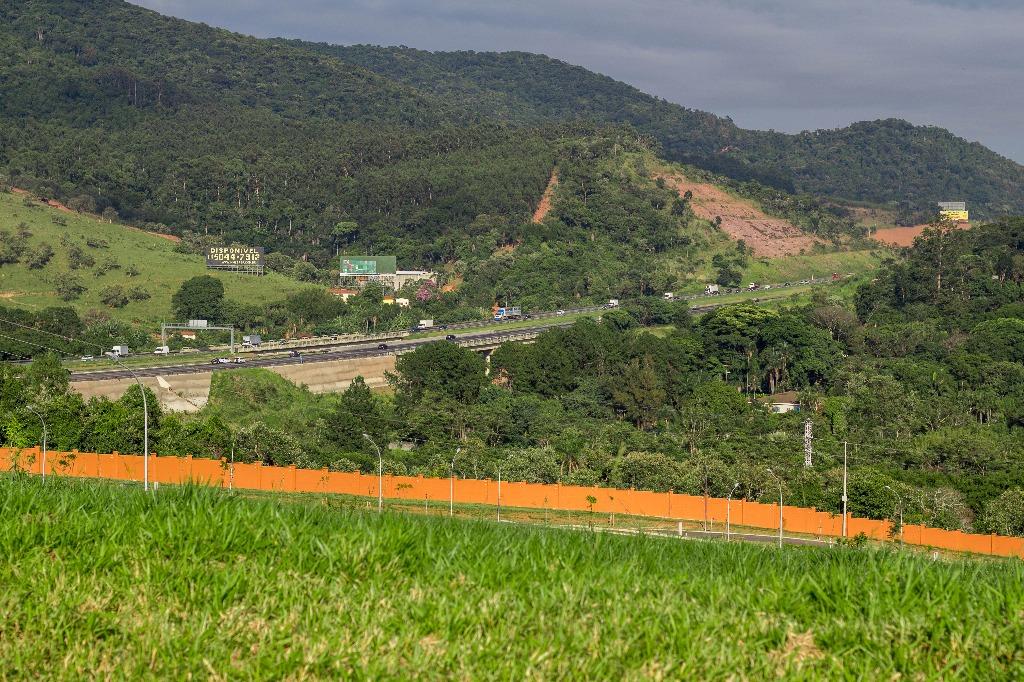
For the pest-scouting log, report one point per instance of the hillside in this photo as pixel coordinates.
(251, 580)
(90, 259)
(105, 105)
(884, 161)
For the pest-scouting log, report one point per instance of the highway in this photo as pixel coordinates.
(346, 350)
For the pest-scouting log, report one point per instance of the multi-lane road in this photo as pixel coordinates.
(493, 335)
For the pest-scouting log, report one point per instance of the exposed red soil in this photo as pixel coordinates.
(905, 236)
(544, 207)
(741, 219)
(453, 284)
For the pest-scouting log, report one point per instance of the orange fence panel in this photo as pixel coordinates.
(484, 491)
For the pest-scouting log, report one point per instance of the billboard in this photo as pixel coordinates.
(361, 266)
(955, 216)
(234, 256)
(952, 205)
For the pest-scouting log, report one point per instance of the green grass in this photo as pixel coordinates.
(795, 268)
(102, 580)
(162, 270)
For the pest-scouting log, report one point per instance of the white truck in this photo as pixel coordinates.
(162, 350)
(120, 351)
(669, 296)
(711, 290)
(424, 324)
(613, 303)
(251, 340)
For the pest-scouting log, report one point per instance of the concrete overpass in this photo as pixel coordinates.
(323, 369)
(186, 388)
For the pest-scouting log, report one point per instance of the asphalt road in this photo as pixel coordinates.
(343, 352)
(348, 352)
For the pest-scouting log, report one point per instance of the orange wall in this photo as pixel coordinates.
(523, 495)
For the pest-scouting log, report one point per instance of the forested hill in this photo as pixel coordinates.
(883, 161)
(312, 149)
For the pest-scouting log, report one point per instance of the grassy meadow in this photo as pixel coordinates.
(103, 580)
(161, 269)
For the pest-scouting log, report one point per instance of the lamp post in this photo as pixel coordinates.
(500, 464)
(145, 420)
(451, 487)
(780, 504)
(728, 505)
(845, 498)
(899, 501)
(380, 474)
(43, 421)
(231, 473)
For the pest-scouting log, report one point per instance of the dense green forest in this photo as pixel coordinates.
(922, 377)
(882, 161)
(186, 128)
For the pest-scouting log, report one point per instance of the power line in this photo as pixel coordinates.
(30, 343)
(43, 331)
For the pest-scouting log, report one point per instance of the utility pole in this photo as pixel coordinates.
(845, 498)
(380, 474)
(451, 488)
(808, 438)
(43, 421)
(780, 504)
(728, 504)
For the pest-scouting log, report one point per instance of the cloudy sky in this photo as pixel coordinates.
(790, 65)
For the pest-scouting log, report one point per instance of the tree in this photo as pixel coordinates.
(1005, 514)
(357, 412)
(114, 296)
(199, 298)
(638, 394)
(69, 287)
(441, 367)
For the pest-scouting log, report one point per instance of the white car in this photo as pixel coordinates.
(87, 358)
(560, 313)
(238, 361)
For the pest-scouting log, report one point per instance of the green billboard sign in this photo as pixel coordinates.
(368, 265)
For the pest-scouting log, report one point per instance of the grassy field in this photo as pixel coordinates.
(102, 580)
(161, 269)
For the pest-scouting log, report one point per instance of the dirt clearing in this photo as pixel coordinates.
(544, 207)
(905, 236)
(741, 219)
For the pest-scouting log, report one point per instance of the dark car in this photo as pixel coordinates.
(443, 327)
(382, 346)
(450, 337)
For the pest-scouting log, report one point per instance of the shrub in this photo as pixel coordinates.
(38, 257)
(114, 296)
(69, 287)
(77, 258)
(138, 294)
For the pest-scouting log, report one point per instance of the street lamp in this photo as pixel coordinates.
(231, 474)
(145, 420)
(845, 497)
(899, 501)
(38, 414)
(728, 504)
(780, 504)
(451, 487)
(499, 484)
(380, 474)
